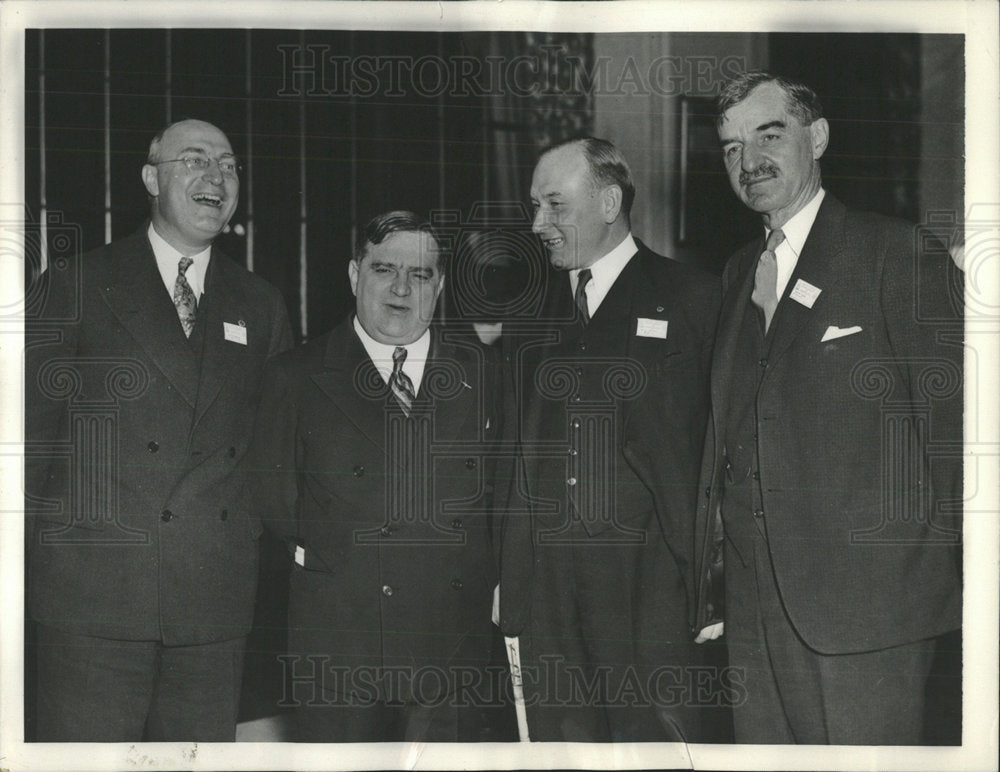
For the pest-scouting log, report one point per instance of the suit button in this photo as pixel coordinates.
(471, 463)
(385, 530)
(456, 584)
(359, 470)
(386, 590)
(758, 513)
(166, 516)
(153, 446)
(231, 452)
(708, 493)
(756, 475)
(582, 345)
(571, 481)
(573, 451)
(456, 523)
(762, 362)
(224, 515)
(579, 371)
(576, 398)
(576, 423)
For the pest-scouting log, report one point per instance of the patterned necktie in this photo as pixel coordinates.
(400, 383)
(580, 297)
(765, 281)
(184, 300)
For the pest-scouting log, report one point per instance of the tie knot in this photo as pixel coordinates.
(775, 238)
(583, 278)
(183, 265)
(398, 357)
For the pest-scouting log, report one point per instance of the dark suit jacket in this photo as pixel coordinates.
(391, 514)
(657, 389)
(852, 431)
(135, 436)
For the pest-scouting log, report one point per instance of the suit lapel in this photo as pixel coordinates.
(349, 379)
(732, 314)
(817, 266)
(137, 297)
(222, 301)
(453, 404)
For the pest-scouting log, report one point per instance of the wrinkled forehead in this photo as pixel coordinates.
(766, 103)
(408, 249)
(195, 136)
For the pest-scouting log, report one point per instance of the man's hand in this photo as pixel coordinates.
(710, 633)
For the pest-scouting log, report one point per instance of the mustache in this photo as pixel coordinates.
(761, 172)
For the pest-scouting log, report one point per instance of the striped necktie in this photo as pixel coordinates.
(400, 383)
(184, 299)
(580, 296)
(765, 281)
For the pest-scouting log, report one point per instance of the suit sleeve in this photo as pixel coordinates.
(272, 488)
(50, 334)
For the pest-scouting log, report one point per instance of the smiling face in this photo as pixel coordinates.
(397, 284)
(190, 207)
(576, 219)
(771, 158)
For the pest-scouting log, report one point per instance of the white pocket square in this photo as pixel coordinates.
(833, 332)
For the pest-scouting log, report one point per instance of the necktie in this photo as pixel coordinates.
(400, 383)
(184, 299)
(765, 281)
(580, 297)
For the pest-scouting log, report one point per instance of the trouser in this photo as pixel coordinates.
(103, 690)
(794, 694)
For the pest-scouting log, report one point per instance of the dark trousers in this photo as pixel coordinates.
(794, 694)
(101, 690)
(606, 655)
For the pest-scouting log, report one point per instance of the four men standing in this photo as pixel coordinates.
(377, 448)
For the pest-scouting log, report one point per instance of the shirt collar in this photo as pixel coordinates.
(167, 259)
(381, 354)
(604, 272)
(797, 229)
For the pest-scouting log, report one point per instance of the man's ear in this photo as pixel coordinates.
(149, 180)
(819, 130)
(352, 272)
(611, 201)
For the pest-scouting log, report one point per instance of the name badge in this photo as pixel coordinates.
(805, 293)
(651, 328)
(235, 333)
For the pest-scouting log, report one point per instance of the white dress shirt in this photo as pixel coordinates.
(381, 355)
(796, 232)
(167, 259)
(604, 272)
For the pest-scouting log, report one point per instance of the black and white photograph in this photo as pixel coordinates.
(499, 385)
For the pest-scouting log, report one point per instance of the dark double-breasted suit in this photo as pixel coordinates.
(135, 436)
(834, 453)
(597, 549)
(387, 516)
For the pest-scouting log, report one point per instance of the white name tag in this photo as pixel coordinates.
(300, 555)
(805, 293)
(235, 332)
(651, 328)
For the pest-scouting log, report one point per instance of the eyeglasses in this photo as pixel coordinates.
(229, 167)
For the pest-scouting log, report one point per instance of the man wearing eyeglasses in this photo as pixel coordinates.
(142, 566)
